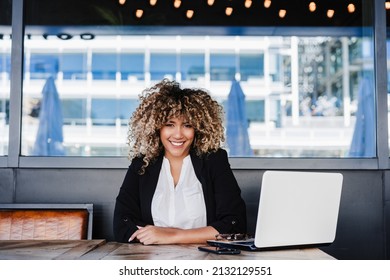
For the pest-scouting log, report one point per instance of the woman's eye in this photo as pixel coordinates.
(188, 126)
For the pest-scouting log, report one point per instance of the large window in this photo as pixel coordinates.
(309, 86)
(303, 96)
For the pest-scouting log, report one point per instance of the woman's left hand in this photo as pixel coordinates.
(155, 235)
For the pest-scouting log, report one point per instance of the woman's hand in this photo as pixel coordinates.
(155, 235)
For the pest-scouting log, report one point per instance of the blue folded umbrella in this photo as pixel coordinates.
(49, 139)
(237, 137)
(364, 139)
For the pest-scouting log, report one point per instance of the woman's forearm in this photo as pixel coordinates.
(197, 235)
(165, 235)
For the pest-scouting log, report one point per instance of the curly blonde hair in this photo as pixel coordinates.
(167, 100)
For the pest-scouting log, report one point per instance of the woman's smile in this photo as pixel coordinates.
(177, 143)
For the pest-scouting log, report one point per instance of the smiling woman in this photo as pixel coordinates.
(165, 101)
(179, 187)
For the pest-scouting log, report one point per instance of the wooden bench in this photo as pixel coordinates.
(46, 221)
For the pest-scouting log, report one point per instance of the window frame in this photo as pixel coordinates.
(382, 161)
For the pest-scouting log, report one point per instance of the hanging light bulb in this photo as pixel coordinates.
(177, 4)
(122, 2)
(330, 13)
(248, 3)
(351, 8)
(229, 11)
(267, 3)
(190, 14)
(152, 2)
(387, 5)
(312, 6)
(282, 13)
(139, 13)
(210, 2)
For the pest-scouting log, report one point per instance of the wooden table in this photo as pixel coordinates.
(101, 250)
(47, 249)
(136, 251)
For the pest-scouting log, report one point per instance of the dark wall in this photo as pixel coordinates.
(361, 233)
(6, 186)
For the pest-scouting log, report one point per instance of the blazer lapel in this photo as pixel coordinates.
(149, 185)
(198, 164)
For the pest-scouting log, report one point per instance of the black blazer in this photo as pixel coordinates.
(226, 210)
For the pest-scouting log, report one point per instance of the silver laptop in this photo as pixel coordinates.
(296, 209)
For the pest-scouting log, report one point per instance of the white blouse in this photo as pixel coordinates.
(182, 206)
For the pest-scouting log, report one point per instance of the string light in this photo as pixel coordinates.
(190, 14)
(139, 13)
(330, 13)
(177, 4)
(248, 3)
(351, 8)
(210, 2)
(122, 2)
(312, 6)
(387, 5)
(229, 11)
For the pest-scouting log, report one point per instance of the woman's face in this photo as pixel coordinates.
(177, 136)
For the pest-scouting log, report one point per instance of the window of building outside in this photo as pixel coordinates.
(5, 69)
(308, 88)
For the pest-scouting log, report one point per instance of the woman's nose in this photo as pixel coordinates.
(178, 133)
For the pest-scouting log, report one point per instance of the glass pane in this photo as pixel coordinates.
(104, 111)
(42, 66)
(251, 66)
(132, 66)
(74, 111)
(222, 67)
(192, 66)
(104, 66)
(162, 66)
(308, 84)
(5, 70)
(73, 66)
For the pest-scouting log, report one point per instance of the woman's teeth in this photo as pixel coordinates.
(177, 143)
